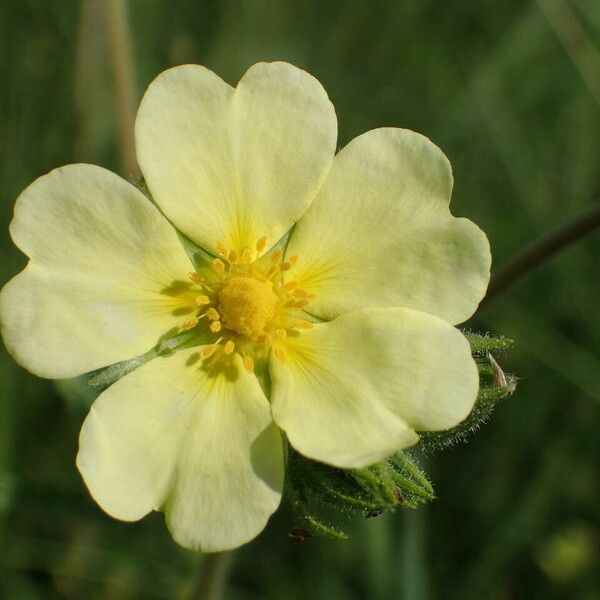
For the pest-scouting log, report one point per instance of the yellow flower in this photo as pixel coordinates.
(341, 334)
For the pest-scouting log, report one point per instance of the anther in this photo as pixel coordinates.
(286, 266)
(290, 286)
(276, 256)
(213, 314)
(221, 248)
(261, 244)
(190, 323)
(218, 266)
(246, 256)
(302, 324)
(300, 304)
(249, 364)
(293, 259)
(196, 278)
(208, 350)
(233, 256)
(229, 347)
(262, 339)
(280, 354)
(300, 292)
(202, 299)
(281, 333)
(215, 326)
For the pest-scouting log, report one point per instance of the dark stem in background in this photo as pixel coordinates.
(214, 571)
(119, 42)
(542, 249)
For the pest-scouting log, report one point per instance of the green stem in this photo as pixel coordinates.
(542, 249)
(215, 568)
(119, 41)
(576, 41)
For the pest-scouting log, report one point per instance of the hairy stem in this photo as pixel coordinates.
(214, 574)
(542, 249)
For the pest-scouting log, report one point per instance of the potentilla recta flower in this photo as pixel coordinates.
(320, 305)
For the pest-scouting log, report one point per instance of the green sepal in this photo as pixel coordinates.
(395, 482)
(199, 258)
(141, 185)
(411, 480)
(315, 525)
(481, 344)
(494, 385)
(176, 340)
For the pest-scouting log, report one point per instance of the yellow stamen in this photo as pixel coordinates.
(249, 364)
(190, 323)
(213, 314)
(300, 292)
(208, 350)
(249, 305)
(246, 256)
(218, 266)
(196, 278)
(261, 244)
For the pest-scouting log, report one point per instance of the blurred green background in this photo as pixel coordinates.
(511, 92)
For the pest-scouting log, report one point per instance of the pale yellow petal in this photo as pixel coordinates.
(356, 389)
(380, 233)
(102, 283)
(235, 165)
(200, 446)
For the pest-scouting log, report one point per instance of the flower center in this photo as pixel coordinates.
(247, 304)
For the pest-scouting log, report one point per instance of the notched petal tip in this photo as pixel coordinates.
(395, 242)
(218, 160)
